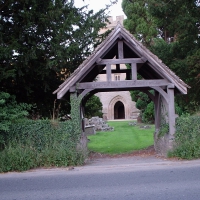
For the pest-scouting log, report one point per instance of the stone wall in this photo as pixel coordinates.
(163, 144)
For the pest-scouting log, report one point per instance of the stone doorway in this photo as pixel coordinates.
(119, 111)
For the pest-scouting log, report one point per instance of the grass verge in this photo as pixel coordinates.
(123, 139)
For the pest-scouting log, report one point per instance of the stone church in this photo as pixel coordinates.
(116, 105)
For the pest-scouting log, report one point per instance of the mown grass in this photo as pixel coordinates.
(123, 139)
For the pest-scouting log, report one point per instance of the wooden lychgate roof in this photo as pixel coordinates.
(121, 47)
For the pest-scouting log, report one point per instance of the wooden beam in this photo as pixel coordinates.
(134, 71)
(117, 71)
(157, 107)
(120, 50)
(84, 92)
(162, 92)
(150, 95)
(171, 111)
(108, 72)
(119, 61)
(123, 84)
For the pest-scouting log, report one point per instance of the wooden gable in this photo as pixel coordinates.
(120, 47)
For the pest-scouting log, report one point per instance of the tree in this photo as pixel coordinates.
(93, 107)
(139, 21)
(42, 43)
(181, 19)
(178, 41)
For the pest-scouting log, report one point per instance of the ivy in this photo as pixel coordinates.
(11, 111)
(187, 137)
(164, 125)
(36, 143)
(75, 114)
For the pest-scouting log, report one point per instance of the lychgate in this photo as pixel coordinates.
(120, 47)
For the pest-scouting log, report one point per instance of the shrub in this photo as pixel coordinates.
(93, 107)
(144, 104)
(31, 144)
(187, 138)
(10, 112)
(148, 114)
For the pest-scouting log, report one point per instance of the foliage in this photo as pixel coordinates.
(10, 112)
(186, 66)
(93, 107)
(37, 143)
(187, 138)
(178, 19)
(177, 42)
(164, 127)
(42, 43)
(144, 104)
(123, 139)
(139, 22)
(148, 114)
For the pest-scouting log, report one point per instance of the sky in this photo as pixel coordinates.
(96, 5)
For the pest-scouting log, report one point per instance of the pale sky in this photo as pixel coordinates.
(96, 5)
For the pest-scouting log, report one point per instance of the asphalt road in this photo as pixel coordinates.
(132, 178)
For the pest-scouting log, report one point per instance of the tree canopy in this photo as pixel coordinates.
(171, 30)
(139, 21)
(42, 43)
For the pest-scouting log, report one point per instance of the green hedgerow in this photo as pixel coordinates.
(37, 143)
(187, 138)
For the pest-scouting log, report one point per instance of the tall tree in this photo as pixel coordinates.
(42, 42)
(180, 19)
(139, 21)
(178, 41)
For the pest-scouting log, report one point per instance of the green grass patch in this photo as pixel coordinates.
(123, 139)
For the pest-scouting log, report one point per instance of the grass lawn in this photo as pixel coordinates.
(123, 139)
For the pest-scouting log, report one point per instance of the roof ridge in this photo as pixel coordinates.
(143, 50)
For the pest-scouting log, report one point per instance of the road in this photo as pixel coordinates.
(137, 178)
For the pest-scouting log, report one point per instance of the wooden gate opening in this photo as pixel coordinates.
(119, 112)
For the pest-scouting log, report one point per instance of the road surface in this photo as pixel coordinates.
(131, 178)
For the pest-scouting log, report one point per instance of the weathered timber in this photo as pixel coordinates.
(171, 111)
(162, 92)
(122, 84)
(120, 50)
(119, 61)
(117, 71)
(108, 72)
(84, 92)
(134, 71)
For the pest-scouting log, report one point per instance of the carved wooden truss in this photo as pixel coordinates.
(121, 47)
